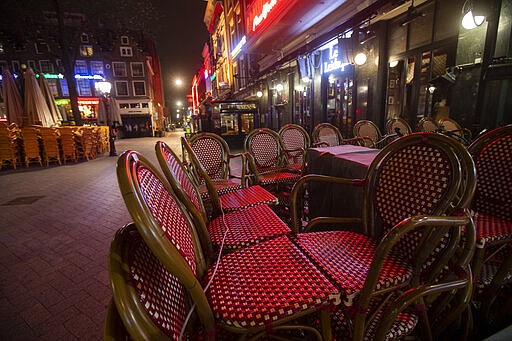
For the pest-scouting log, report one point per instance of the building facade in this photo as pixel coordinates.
(344, 61)
(128, 60)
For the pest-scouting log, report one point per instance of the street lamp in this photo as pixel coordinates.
(104, 89)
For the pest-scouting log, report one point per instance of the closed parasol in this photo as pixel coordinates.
(115, 113)
(12, 99)
(50, 101)
(35, 104)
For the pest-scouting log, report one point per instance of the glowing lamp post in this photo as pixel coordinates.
(104, 89)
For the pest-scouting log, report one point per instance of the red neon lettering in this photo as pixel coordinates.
(267, 7)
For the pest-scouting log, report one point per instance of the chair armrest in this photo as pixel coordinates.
(300, 186)
(319, 144)
(329, 220)
(363, 141)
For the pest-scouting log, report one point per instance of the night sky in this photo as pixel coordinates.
(180, 37)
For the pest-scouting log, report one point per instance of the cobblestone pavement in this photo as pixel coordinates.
(56, 225)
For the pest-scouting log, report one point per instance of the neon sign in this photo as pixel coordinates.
(238, 47)
(264, 11)
(333, 63)
(97, 77)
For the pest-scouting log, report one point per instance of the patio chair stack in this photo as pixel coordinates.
(67, 144)
(408, 253)
(265, 288)
(243, 219)
(50, 146)
(8, 150)
(408, 272)
(492, 263)
(31, 149)
(84, 140)
(453, 128)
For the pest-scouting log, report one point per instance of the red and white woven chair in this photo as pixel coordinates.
(296, 142)
(256, 290)
(492, 207)
(212, 153)
(244, 226)
(409, 242)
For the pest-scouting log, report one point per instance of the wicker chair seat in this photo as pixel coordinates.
(346, 258)
(222, 186)
(280, 177)
(253, 225)
(490, 229)
(403, 325)
(246, 197)
(265, 283)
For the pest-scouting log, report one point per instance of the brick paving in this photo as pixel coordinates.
(53, 258)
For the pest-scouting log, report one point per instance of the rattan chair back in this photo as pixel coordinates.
(50, 146)
(188, 193)
(296, 142)
(212, 153)
(427, 124)
(398, 126)
(366, 128)
(326, 134)
(266, 148)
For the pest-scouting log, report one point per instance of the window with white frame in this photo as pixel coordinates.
(45, 66)
(119, 69)
(81, 67)
(97, 67)
(139, 88)
(137, 69)
(126, 51)
(84, 38)
(84, 87)
(86, 50)
(122, 88)
(125, 40)
(32, 64)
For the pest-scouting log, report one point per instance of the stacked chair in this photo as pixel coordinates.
(8, 150)
(159, 272)
(84, 139)
(408, 272)
(401, 259)
(31, 150)
(296, 142)
(492, 263)
(50, 146)
(242, 215)
(67, 144)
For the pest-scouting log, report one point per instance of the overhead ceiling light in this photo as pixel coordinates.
(412, 14)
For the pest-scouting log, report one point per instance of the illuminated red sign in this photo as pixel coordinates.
(258, 12)
(88, 101)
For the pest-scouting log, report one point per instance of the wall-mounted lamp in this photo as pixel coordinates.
(393, 63)
(306, 79)
(259, 94)
(472, 18)
(360, 58)
(279, 87)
